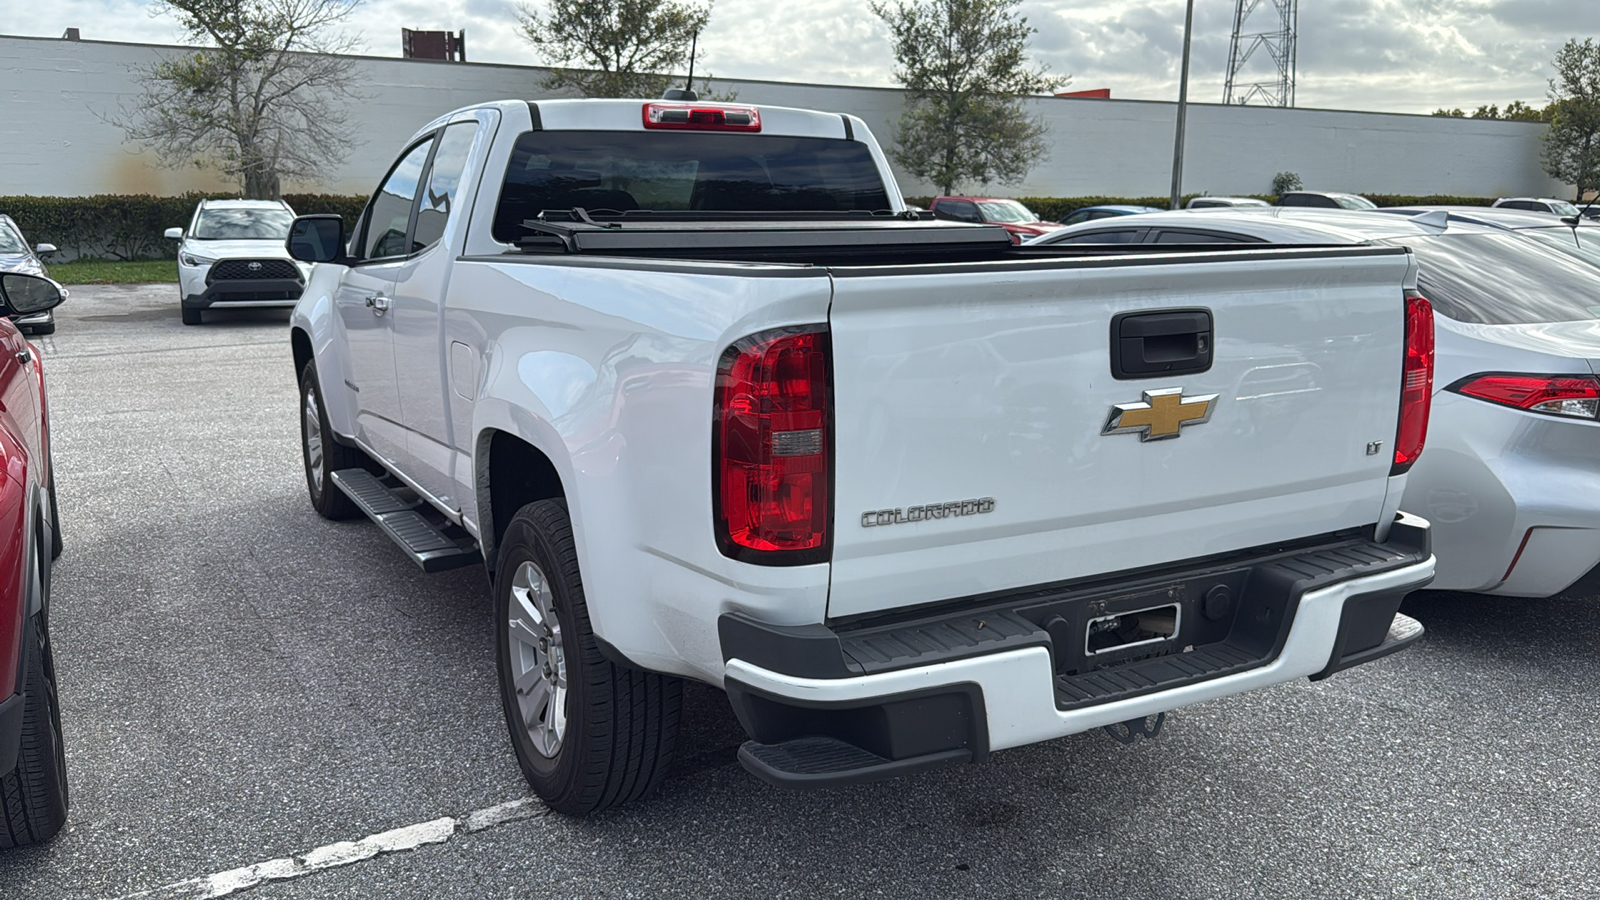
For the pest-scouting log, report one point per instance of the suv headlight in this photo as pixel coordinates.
(194, 259)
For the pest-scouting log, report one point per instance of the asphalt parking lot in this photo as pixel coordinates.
(243, 682)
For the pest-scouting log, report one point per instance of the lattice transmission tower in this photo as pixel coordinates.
(1275, 36)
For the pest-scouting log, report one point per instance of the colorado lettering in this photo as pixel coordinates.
(898, 516)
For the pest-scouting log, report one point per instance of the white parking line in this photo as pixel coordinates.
(343, 853)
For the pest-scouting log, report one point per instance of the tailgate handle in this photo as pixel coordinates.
(1161, 343)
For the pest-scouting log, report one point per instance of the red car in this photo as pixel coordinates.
(1021, 221)
(33, 776)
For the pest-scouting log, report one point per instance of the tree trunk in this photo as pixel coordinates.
(261, 183)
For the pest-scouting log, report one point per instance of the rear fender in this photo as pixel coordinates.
(494, 415)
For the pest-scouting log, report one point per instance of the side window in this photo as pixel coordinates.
(1103, 214)
(1122, 236)
(1081, 215)
(389, 213)
(963, 210)
(444, 178)
(1197, 237)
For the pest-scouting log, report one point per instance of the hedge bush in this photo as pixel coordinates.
(129, 226)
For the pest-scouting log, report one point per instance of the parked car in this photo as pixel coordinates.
(1008, 214)
(1090, 213)
(867, 473)
(1545, 205)
(232, 256)
(17, 256)
(1581, 239)
(1511, 479)
(33, 773)
(1325, 200)
(1223, 202)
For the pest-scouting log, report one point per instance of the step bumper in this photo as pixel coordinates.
(1009, 698)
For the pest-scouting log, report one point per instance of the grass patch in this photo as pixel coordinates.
(110, 271)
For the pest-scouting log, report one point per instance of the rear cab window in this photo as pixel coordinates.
(628, 172)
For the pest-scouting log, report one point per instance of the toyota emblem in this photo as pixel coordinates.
(255, 267)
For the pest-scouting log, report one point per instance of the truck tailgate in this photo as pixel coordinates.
(970, 403)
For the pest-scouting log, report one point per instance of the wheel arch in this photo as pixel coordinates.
(313, 337)
(511, 473)
(300, 344)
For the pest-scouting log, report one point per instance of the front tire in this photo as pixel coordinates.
(322, 454)
(33, 796)
(589, 734)
(56, 544)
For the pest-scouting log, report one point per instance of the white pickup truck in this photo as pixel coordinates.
(707, 402)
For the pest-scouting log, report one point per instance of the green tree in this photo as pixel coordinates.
(1572, 143)
(265, 101)
(613, 48)
(1517, 111)
(964, 65)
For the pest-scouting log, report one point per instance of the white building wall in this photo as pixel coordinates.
(58, 99)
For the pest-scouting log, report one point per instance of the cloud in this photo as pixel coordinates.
(1394, 55)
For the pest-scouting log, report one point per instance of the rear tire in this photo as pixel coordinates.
(42, 330)
(33, 796)
(604, 734)
(322, 454)
(190, 316)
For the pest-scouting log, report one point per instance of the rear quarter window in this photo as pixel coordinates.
(1492, 279)
(1120, 236)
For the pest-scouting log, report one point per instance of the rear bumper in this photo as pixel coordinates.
(954, 697)
(1512, 497)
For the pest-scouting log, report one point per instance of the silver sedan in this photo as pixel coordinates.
(1510, 475)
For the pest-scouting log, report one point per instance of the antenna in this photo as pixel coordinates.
(686, 93)
(1278, 40)
(694, 44)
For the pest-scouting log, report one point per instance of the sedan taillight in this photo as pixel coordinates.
(1575, 396)
(771, 448)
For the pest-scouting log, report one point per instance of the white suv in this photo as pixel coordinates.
(233, 255)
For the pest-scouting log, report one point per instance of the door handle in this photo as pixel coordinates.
(24, 356)
(1161, 343)
(379, 304)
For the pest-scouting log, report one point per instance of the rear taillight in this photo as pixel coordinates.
(1577, 396)
(771, 447)
(699, 117)
(1416, 384)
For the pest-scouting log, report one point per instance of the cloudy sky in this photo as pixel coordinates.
(1391, 55)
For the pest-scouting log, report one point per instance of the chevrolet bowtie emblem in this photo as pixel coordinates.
(1162, 414)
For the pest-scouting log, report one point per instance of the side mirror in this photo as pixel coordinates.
(316, 239)
(45, 249)
(173, 234)
(27, 294)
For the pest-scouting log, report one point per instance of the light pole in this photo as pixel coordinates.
(1183, 107)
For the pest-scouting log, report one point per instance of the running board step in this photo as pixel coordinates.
(821, 762)
(432, 542)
